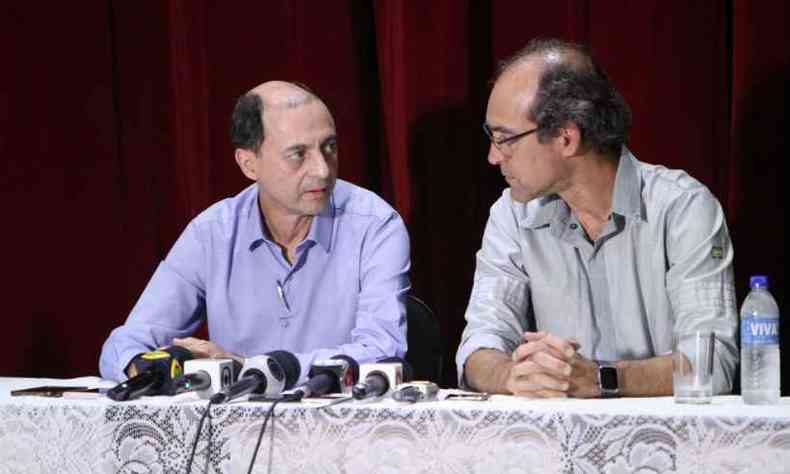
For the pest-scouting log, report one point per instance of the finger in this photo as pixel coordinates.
(197, 347)
(530, 336)
(523, 368)
(534, 335)
(558, 343)
(543, 381)
(552, 364)
(529, 376)
(562, 345)
(523, 388)
(184, 341)
(189, 344)
(179, 342)
(526, 350)
(576, 344)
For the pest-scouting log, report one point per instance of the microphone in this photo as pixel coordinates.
(334, 375)
(380, 377)
(156, 372)
(417, 391)
(267, 374)
(205, 376)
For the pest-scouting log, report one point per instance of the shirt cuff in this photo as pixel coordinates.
(123, 363)
(475, 343)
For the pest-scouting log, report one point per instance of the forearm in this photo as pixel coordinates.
(645, 378)
(487, 370)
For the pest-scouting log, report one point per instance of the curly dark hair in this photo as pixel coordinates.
(575, 89)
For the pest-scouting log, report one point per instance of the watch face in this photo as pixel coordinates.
(609, 378)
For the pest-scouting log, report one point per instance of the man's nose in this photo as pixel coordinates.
(495, 157)
(319, 168)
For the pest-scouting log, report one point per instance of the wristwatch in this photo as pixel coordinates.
(607, 379)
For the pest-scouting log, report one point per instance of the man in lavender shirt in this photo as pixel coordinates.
(298, 261)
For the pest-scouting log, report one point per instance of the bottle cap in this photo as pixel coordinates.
(758, 281)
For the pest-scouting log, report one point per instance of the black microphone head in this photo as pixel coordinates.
(359, 391)
(353, 368)
(288, 365)
(407, 371)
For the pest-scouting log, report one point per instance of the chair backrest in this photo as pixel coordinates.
(425, 353)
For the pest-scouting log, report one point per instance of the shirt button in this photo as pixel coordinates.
(285, 324)
(574, 226)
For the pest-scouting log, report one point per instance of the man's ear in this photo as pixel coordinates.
(570, 139)
(247, 163)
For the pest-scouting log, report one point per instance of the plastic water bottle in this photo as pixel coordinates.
(760, 345)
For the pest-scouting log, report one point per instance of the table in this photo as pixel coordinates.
(502, 435)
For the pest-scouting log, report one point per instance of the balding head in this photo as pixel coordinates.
(283, 94)
(547, 54)
(247, 124)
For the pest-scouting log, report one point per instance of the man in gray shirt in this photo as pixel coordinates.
(591, 259)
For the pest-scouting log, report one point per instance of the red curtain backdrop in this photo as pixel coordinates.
(114, 119)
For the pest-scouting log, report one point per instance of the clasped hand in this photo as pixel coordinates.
(547, 366)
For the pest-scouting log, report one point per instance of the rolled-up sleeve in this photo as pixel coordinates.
(496, 316)
(700, 277)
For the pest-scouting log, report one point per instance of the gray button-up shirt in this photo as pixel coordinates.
(663, 263)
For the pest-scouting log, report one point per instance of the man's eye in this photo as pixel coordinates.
(330, 148)
(297, 155)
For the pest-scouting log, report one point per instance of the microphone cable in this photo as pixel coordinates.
(269, 414)
(197, 436)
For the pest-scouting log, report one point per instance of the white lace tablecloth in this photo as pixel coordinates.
(502, 435)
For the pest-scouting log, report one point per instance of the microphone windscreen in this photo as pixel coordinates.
(289, 365)
(168, 362)
(157, 372)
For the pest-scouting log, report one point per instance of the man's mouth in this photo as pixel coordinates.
(315, 192)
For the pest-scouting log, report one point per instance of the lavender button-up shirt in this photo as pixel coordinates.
(344, 294)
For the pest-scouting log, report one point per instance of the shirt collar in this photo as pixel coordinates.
(542, 211)
(320, 229)
(322, 226)
(627, 195)
(626, 198)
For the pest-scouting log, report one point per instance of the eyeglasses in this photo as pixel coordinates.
(505, 145)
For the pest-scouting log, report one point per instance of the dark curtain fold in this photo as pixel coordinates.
(114, 118)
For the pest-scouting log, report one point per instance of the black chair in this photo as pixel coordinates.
(425, 353)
